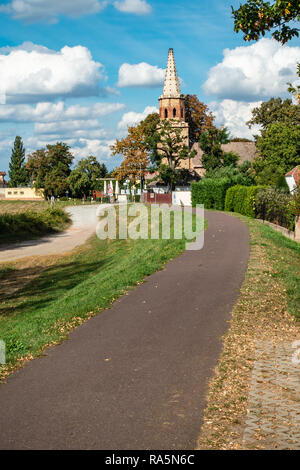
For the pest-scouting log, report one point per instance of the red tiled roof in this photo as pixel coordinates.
(2, 173)
(295, 172)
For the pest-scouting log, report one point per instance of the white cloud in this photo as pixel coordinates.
(138, 7)
(141, 75)
(63, 127)
(50, 112)
(49, 10)
(33, 73)
(234, 115)
(132, 118)
(256, 72)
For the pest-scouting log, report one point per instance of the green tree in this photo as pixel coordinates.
(93, 170)
(275, 111)
(17, 171)
(199, 118)
(279, 152)
(256, 17)
(86, 176)
(49, 168)
(211, 143)
(79, 183)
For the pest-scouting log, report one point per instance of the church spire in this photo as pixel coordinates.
(171, 86)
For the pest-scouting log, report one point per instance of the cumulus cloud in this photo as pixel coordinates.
(138, 7)
(49, 10)
(32, 74)
(50, 112)
(254, 72)
(39, 10)
(132, 118)
(234, 115)
(140, 75)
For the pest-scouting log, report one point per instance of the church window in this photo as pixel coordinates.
(166, 113)
(174, 112)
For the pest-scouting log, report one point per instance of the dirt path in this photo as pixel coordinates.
(84, 222)
(135, 376)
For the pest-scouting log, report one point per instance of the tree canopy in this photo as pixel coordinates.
(279, 152)
(86, 175)
(18, 175)
(49, 168)
(275, 110)
(256, 17)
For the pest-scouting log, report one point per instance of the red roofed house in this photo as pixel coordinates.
(293, 178)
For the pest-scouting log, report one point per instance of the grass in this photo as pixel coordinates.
(16, 207)
(30, 224)
(62, 293)
(268, 309)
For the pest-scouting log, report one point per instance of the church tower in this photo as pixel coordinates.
(171, 102)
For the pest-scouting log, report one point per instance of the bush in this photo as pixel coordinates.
(241, 199)
(210, 192)
(276, 206)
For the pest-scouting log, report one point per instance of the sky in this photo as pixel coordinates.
(82, 71)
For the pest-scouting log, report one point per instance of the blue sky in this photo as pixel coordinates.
(80, 71)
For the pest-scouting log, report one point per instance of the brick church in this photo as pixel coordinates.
(171, 106)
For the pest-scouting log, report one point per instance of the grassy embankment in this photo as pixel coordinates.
(30, 219)
(60, 293)
(268, 309)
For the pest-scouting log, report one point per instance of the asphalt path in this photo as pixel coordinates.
(135, 376)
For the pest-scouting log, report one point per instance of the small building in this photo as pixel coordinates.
(245, 150)
(24, 194)
(293, 178)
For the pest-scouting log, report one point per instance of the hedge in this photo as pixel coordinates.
(241, 199)
(210, 192)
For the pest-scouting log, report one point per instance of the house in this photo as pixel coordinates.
(245, 150)
(293, 178)
(25, 194)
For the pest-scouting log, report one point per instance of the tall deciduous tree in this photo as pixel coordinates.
(86, 176)
(279, 152)
(17, 171)
(138, 148)
(49, 168)
(256, 17)
(199, 118)
(275, 110)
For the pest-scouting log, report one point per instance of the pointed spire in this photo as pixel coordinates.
(171, 86)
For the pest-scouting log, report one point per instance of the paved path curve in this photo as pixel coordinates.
(84, 220)
(135, 376)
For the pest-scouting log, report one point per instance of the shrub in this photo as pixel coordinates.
(241, 199)
(210, 192)
(276, 206)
